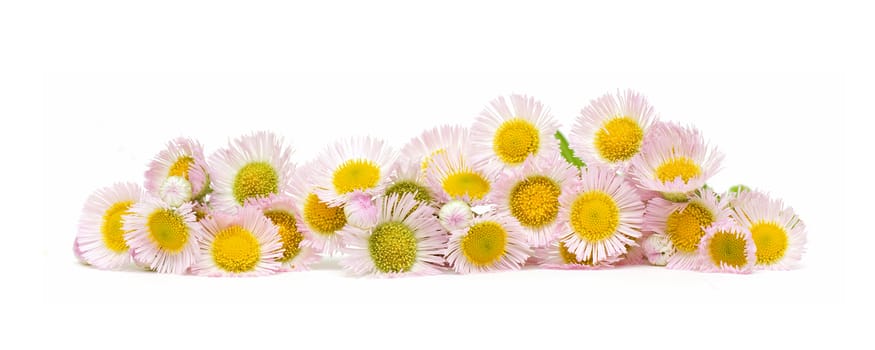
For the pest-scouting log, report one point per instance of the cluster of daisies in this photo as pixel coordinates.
(623, 188)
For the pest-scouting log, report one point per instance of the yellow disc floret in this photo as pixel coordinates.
(485, 243)
(288, 231)
(771, 241)
(728, 248)
(594, 216)
(113, 234)
(515, 140)
(256, 179)
(619, 139)
(534, 202)
(235, 249)
(686, 227)
(682, 167)
(466, 183)
(393, 247)
(356, 174)
(168, 230)
(321, 218)
(180, 167)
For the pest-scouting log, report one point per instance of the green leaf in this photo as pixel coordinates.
(567, 153)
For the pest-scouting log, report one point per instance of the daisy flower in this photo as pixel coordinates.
(684, 224)
(611, 129)
(455, 215)
(179, 173)
(297, 253)
(349, 165)
(162, 237)
(244, 244)
(531, 194)
(559, 257)
(727, 247)
(360, 209)
(657, 249)
(675, 161)
(253, 166)
(493, 241)
(320, 222)
(779, 234)
(100, 240)
(452, 175)
(421, 149)
(406, 240)
(409, 177)
(603, 215)
(506, 134)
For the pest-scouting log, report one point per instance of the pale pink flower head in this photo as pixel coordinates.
(163, 238)
(243, 244)
(779, 234)
(252, 166)
(510, 131)
(297, 248)
(674, 161)
(611, 129)
(350, 165)
(453, 175)
(603, 215)
(727, 247)
(182, 161)
(530, 193)
(323, 223)
(419, 150)
(455, 215)
(493, 242)
(684, 224)
(361, 209)
(657, 249)
(100, 240)
(406, 240)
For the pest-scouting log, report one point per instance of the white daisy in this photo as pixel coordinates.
(612, 128)
(253, 166)
(100, 240)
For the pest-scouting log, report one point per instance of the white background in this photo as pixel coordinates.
(105, 85)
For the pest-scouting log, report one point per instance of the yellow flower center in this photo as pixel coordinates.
(515, 140)
(594, 216)
(256, 179)
(534, 202)
(485, 243)
(619, 139)
(321, 218)
(771, 241)
(728, 248)
(235, 249)
(685, 227)
(420, 193)
(682, 167)
(168, 230)
(180, 167)
(356, 174)
(288, 231)
(113, 234)
(466, 182)
(393, 247)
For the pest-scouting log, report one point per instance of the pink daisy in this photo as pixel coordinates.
(777, 231)
(297, 251)
(452, 175)
(684, 224)
(674, 160)
(508, 132)
(252, 166)
(321, 222)
(727, 247)
(100, 240)
(531, 194)
(244, 244)
(405, 240)
(611, 129)
(603, 215)
(179, 173)
(493, 242)
(419, 151)
(162, 237)
(355, 164)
